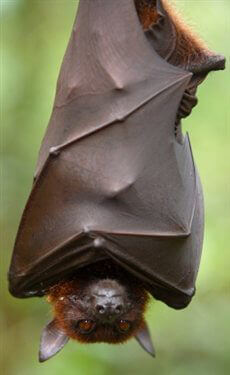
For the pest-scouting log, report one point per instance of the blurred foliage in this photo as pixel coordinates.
(193, 341)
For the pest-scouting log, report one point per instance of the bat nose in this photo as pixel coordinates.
(108, 308)
(109, 311)
(109, 300)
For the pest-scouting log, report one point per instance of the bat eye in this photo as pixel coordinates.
(86, 326)
(124, 326)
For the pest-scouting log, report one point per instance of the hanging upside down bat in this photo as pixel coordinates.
(116, 210)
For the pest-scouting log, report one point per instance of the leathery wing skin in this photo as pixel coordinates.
(112, 181)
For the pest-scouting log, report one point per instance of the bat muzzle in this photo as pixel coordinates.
(108, 312)
(109, 300)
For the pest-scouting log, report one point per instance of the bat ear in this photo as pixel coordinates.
(52, 341)
(145, 341)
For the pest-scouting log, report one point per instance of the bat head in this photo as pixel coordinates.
(96, 307)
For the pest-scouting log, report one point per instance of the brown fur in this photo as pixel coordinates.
(66, 313)
(147, 13)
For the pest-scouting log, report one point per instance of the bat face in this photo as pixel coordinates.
(100, 311)
(103, 303)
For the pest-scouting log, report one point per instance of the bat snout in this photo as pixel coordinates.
(109, 300)
(109, 309)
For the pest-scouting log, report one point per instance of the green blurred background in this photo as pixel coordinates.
(191, 341)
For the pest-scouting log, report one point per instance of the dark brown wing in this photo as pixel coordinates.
(111, 179)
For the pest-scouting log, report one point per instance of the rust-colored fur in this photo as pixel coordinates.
(147, 13)
(66, 313)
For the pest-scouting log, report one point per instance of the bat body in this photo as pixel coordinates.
(115, 180)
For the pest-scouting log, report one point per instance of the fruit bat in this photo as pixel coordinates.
(116, 210)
